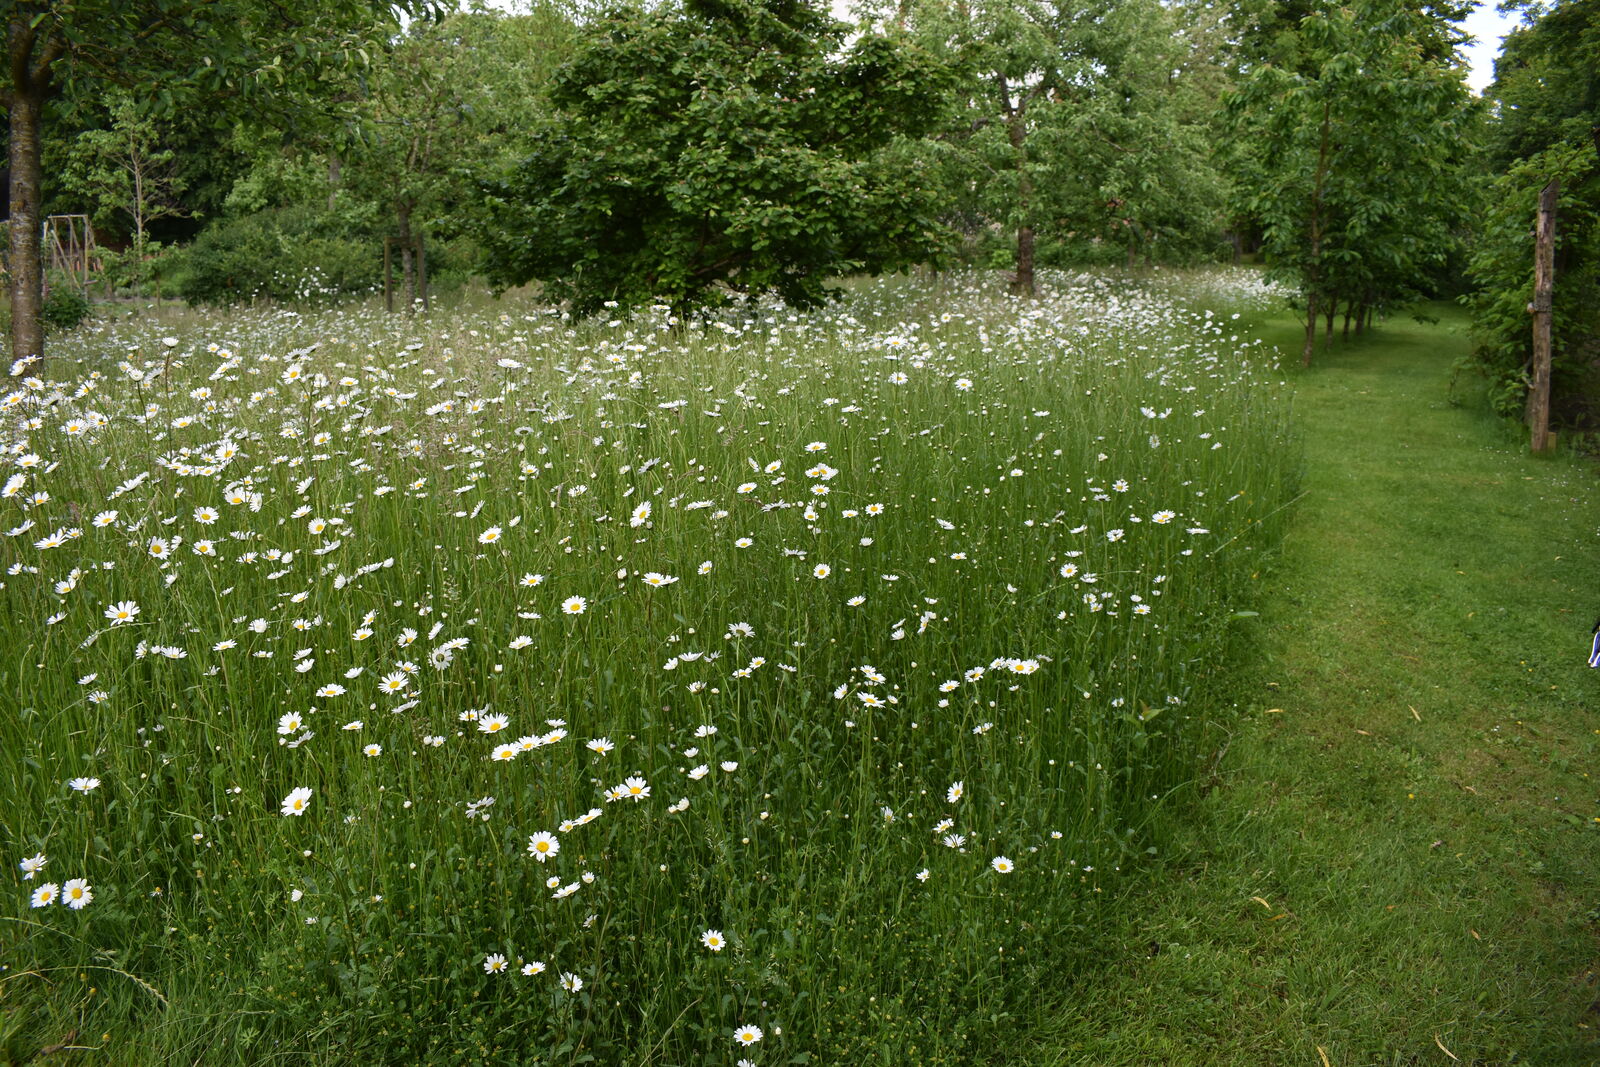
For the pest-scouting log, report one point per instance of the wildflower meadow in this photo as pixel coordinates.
(769, 687)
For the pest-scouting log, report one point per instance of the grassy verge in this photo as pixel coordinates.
(1401, 862)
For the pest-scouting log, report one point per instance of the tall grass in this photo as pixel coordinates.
(844, 656)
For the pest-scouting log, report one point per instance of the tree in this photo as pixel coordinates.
(1014, 55)
(1350, 154)
(1546, 127)
(1074, 123)
(219, 48)
(1132, 135)
(129, 172)
(451, 101)
(721, 146)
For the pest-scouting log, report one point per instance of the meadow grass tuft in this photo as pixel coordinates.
(773, 685)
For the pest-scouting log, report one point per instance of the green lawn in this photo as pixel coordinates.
(1398, 860)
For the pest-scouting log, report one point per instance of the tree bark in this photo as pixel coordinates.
(1311, 329)
(1544, 270)
(1023, 282)
(1016, 133)
(1313, 271)
(408, 275)
(26, 256)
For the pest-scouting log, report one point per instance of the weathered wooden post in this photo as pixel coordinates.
(1544, 269)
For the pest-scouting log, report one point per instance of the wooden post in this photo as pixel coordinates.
(1544, 269)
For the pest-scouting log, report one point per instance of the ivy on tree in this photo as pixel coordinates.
(720, 147)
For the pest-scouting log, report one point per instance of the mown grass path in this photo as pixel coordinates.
(1400, 861)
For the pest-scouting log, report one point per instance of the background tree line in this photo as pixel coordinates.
(693, 151)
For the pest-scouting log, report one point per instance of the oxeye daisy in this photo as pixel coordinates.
(77, 894)
(574, 605)
(122, 611)
(494, 963)
(543, 845)
(1002, 865)
(533, 967)
(45, 895)
(298, 800)
(600, 745)
(747, 1035)
(713, 940)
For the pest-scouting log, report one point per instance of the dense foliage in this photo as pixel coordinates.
(727, 146)
(1547, 88)
(1350, 153)
(690, 151)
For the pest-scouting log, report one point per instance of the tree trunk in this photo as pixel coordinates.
(1313, 270)
(1017, 134)
(26, 256)
(408, 275)
(1023, 282)
(335, 176)
(1348, 311)
(1327, 334)
(1311, 329)
(1544, 269)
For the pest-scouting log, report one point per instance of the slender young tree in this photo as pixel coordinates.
(451, 101)
(1349, 152)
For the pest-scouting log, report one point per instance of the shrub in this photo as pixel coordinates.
(283, 254)
(64, 307)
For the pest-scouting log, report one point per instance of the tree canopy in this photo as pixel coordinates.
(725, 146)
(1349, 152)
(690, 151)
(273, 52)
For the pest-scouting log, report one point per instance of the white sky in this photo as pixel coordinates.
(1488, 26)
